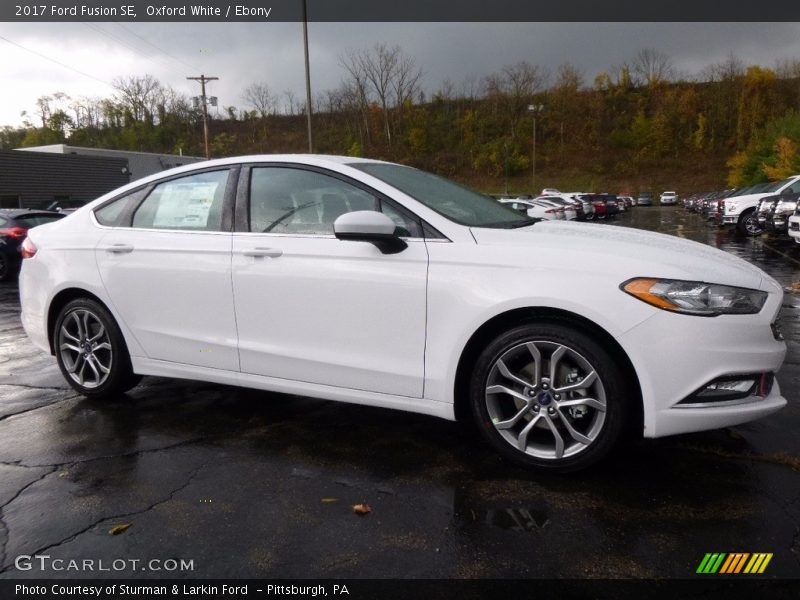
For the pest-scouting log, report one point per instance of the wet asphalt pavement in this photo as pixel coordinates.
(251, 484)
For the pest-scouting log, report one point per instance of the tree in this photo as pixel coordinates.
(139, 96)
(385, 73)
(259, 97)
(652, 67)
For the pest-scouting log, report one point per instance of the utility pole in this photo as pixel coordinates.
(534, 109)
(308, 78)
(203, 79)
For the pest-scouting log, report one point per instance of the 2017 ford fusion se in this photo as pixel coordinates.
(375, 283)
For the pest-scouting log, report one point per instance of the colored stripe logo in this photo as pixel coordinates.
(734, 562)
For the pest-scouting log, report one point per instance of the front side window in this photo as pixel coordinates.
(449, 199)
(295, 201)
(192, 203)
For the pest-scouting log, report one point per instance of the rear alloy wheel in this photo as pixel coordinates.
(546, 395)
(91, 351)
(748, 223)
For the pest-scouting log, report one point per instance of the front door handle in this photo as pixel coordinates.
(263, 252)
(120, 249)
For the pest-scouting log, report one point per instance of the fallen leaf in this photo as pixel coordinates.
(117, 529)
(329, 500)
(362, 509)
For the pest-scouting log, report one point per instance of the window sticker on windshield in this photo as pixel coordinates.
(185, 205)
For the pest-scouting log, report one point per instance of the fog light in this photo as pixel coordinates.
(734, 388)
(730, 388)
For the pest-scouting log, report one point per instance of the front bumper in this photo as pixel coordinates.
(675, 355)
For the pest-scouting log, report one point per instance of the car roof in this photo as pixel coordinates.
(318, 160)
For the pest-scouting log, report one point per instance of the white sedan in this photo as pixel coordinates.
(374, 283)
(536, 209)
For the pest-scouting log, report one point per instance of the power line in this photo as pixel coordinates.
(128, 45)
(53, 60)
(133, 33)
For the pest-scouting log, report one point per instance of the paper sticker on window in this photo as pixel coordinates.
(185, 205)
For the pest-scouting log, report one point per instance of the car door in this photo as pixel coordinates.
(165, 263)
(316, 309)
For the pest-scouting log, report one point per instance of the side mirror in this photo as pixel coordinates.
(369, 226)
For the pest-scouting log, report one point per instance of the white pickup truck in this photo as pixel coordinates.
(742, 210)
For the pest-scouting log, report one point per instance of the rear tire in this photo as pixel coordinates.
(547, 396)
(91, 351)
(6, 268)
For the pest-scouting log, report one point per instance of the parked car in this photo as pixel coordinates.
(645, 199)
(612, 204)
(600, 206)
(536, 209)
(374, 283)
(577, 198)
(572, 210)
(14, 226)
(628, 200)
(668, 198)
(740, 210)
(765, 209)
(783, 208)
(793, 228)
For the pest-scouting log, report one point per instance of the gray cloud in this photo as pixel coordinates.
(272, 52)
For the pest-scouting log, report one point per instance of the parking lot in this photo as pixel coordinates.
(246, 483)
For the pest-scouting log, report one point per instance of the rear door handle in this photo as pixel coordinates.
(120, 249)
(263, 252)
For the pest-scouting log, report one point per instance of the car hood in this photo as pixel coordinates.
(749, 197)
(630, 252)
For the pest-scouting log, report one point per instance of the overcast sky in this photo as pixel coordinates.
(242, 53)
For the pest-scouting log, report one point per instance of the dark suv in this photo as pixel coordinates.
(14, 225)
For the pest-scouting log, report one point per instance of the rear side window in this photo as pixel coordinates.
(111, 214)
(192, 203)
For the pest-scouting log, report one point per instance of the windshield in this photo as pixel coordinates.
(447, 198)
(778, 185)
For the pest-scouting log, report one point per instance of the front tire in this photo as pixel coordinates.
(91, 350)
(547, 396)
(748, 223)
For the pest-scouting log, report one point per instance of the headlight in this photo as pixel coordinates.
(696, 297)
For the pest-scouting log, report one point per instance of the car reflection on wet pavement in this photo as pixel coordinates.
(247, 483)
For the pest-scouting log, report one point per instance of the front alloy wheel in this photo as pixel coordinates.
(748, 224)
(91, 350)
(549, 397)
